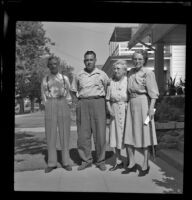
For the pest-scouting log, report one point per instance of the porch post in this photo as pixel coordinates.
(159, 67)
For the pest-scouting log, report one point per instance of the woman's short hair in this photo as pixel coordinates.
(143, 53)
(121, 63)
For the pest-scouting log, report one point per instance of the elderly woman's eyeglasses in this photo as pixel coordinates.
(135, 59)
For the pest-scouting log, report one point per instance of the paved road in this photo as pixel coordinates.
(162, 178)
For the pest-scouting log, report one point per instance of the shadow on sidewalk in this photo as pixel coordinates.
(170, 180)
(74, 156)
(109, 157)
(28, 144)
(34, 144)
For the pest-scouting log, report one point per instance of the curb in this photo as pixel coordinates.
(169, 125)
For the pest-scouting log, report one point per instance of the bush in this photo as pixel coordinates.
(176, 101)
(170, 108)
(175, 88)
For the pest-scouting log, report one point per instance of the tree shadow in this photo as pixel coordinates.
(74, 155)
(170, 184)
(170, 180)
(109, 157)
(21, 136)
(29, 144)
(111, 160)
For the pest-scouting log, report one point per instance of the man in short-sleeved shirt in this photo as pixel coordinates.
(89, 86)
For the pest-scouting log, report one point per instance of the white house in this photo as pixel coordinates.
(177, 64)
(119, 48)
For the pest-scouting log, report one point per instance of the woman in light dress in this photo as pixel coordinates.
(143, 92)
(117, 104)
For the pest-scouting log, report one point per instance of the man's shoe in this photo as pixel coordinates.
(67, 167)
(84, 165)
(49, 169)
(102, 167)
(117, 166)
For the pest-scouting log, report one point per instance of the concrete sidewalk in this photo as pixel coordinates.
(162, 178)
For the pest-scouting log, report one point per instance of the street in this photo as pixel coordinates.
(30, 147)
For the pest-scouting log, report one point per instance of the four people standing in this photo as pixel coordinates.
(93, 88)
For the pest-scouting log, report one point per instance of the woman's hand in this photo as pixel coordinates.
(151, 113)
(111, 113)
(151, 110)
(109, 108)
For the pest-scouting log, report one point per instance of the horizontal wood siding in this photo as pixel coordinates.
(178, 62)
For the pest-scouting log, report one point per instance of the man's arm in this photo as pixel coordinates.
(106, 81)
(74, 89)
(68, 93)
(43, 96)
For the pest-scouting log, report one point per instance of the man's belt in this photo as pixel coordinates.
(91, 97)
(59, 97)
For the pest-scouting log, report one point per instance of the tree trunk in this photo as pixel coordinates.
(32, 104)
(21, 104)
(41, 106)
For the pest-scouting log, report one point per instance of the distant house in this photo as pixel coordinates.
(174, 55)
(99, 66)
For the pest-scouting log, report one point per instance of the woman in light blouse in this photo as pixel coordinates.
(117, 104)
(143, 92)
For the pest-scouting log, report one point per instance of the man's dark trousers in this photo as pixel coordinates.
(91, 118)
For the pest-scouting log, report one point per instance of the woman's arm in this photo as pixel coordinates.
(151, 111)
(153, 92)
(110, 109)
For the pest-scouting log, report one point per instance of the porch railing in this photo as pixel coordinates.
(122, 50)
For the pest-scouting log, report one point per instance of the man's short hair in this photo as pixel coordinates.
(52, 58)
(90, 53)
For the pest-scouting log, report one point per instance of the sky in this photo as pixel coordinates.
(72, 40)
